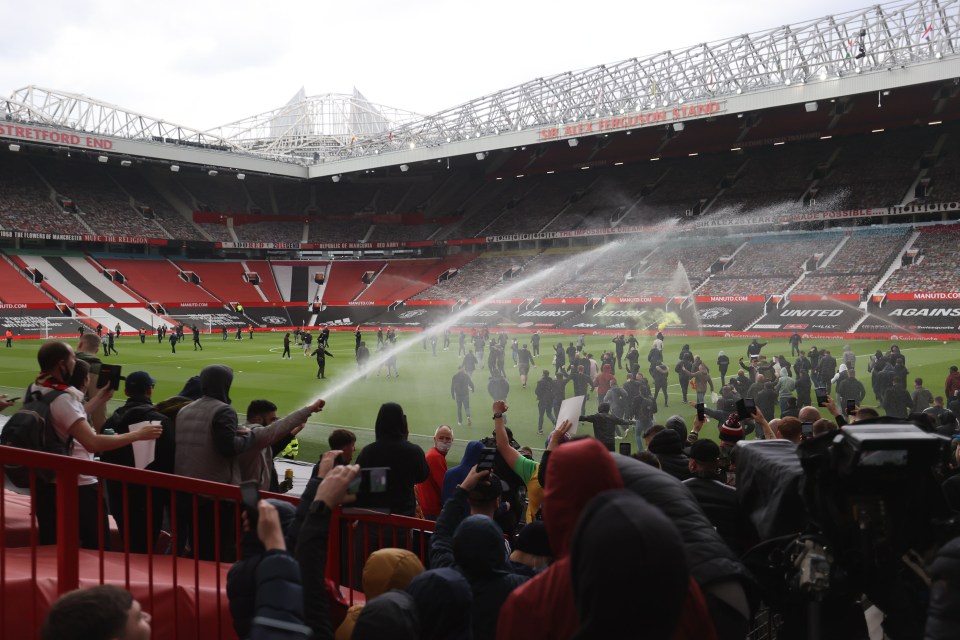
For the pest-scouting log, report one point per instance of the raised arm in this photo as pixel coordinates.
(509, 454)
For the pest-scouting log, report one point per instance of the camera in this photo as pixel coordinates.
(745, 408)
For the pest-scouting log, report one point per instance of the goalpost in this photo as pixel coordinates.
(204, 321)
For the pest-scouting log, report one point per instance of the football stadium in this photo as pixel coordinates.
(734, 252)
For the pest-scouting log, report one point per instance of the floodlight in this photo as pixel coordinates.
(678, 126)
(125, 163)
(14, 147)
(102, 159)
(212, 172)
(573, 142)
(481, 155)
(404, 168)
(335, 178)
(811, 107)
(174, 168)
(241, 176)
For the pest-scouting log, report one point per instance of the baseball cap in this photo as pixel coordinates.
(705, 451)
(139, 381)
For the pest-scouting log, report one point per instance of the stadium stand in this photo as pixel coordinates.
(269, 232)
(17, 287)
(404, 278)
(338, 229)
(295, 280)
(345, 279)
(158, 281)
(937, 268)
(222, 194)
(25, 200)
(475, 277)
(224, 280)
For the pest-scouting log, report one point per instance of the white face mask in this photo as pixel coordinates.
(444, 447)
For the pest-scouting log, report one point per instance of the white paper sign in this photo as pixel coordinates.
(570, 410)
(143, 450)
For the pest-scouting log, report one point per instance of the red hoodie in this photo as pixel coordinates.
(953, 385)
(602, 381)
(544, 606)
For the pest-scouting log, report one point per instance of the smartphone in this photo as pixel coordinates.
(821, 396)
(745, 408)
(370, 480)
(250, 498)
(17, 399)
(486, 459)
(851, 407)
(806, 430)
(624, 448)
(109, 374)
(700, 415)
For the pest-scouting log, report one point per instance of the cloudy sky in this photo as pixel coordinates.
(203, 63)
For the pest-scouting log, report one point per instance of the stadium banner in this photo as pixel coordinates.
(12, 306)
(35, 322)
(823, 216)
(87, 237)
(818, 316)
(807, 297)
(636, 300)
(954, 295)
(633, 316)
(503, 301)
(730, 299)
(914, 317)
(110, 305)
(721, 316)
(69, 138)
(632, 121)
(429, 303)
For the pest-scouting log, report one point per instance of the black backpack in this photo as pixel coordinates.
(31, 428)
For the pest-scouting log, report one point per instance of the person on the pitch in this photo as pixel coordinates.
(196, 338)
(321, 355)
(286, 347)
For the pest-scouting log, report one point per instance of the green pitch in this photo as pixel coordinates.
(423, 388)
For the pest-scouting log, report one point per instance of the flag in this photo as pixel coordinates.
(653, 87)
(926, 32)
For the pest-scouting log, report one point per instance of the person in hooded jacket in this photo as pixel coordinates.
(392, 615)
(444, 599)
(723, 363)
(208, 443)
(619, 400)
(408, 465)
(602, 382)
(727, 586)
(385, 570)
(668, 447)
(544, 607)
(455, 475)
(618, 537)
(474, 545)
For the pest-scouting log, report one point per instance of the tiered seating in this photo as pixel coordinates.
(474, 278)
(842, 284)
(402, 232)
(546, 197)
(602, 275)
(489, 203)
(530, 283)
(217, 232)
(404, 278)
(104, 206)
(223, 279)
(945, 174)
(688, 182)
(268, 283)
(874, 170)
(343, 197)
(744, 286)
(17, 288)
(269, 232)
(345, 280)
(939, 268)
(775, 175)
(662, 274)
(144, 195)
(223, 194)
(259, 190)
(858, 265)
(292, 198)
(779, 255)
(25, 203)
(338, 229)
(157, 281)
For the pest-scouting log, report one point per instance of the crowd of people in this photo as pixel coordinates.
(581, 523)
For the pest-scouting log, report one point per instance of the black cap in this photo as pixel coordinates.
(705, 451)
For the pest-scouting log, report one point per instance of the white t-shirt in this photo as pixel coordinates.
(65, 411)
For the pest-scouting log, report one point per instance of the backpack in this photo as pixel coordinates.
(32, 428)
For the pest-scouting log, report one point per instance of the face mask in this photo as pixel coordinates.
(444, 447)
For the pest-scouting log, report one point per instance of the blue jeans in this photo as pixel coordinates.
(463, 404)
(700, 396)
(783, 404)
(544, 409)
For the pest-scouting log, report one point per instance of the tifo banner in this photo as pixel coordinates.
(821, 216)
(913, 316)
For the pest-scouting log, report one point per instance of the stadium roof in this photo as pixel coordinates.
(881, 47)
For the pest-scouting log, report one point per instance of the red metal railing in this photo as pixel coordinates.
(356, 533)
(186, 594)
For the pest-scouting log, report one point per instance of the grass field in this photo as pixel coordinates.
(423, 387)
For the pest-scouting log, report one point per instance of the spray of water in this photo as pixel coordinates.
(504, 292)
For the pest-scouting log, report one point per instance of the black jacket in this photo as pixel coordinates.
(943, 614)
(475, 546)
(668, 448)
(406, 461)
(605, 427)
(140, 409)
(719, 503)
(310, 544)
